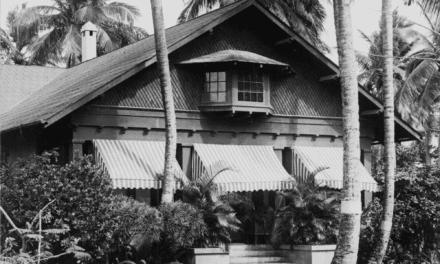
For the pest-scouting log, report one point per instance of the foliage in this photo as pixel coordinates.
(133, 226)
(107, 227)
(183, 225)
(415, 229)
(215, 206)
(311, 216)
(60, 42)
(304, 16)
(10, 255)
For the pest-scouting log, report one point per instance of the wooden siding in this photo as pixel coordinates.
(295, 94)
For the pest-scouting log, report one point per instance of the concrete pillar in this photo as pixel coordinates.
(187, 160)
(143, 195)
(88, 43)
(76, 148)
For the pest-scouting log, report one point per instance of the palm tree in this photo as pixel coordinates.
(168, 101)
(215, 206)
(59, 26)
(349, 228)
(304, 16)
(418, 98)
(371, 65)
(384, 230)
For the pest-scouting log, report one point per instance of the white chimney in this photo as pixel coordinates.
(88, 33)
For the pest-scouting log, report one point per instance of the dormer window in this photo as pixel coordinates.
(236, 81)
(215, 87)
(250, 86)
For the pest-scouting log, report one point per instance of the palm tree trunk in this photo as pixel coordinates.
(429, 137)
(168, 101)
(384, 231)
(348, 239)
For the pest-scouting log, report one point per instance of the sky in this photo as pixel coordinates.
(365, 16)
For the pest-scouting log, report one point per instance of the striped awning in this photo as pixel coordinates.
(327, 165)
(133, 164)
(257, 167)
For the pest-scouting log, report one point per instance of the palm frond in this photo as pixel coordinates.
(121, 12)
(90, 13)
(34, 15)
(194, 7)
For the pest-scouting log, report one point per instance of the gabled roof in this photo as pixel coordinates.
(84, 82)
(18, 81)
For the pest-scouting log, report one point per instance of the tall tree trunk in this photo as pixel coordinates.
(348, 239)
(384, 231)
(168, 101)
(429, 138)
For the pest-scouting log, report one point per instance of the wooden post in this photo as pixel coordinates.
(76, 148)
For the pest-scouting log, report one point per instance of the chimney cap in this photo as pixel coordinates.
(89, 26)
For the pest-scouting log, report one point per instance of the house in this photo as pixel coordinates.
(247, 89)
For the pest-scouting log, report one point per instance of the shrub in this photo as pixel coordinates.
(133, 226)
(310, 218)
(182, 225)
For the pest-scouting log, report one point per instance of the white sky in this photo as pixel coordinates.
(365, 15)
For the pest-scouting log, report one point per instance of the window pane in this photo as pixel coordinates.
(247, 86)
(213, 87)
(260, 97)
(240, 86)
(213, 97)
(222, 76)
(259, 87)
(222, 86)
(240, 96)
(207, 77)
(247, 97)
(213, 77)
(221, 97)
(253, 87)
(253, 97)
(206, 87)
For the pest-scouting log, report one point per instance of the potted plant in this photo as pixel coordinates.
(308, 225)
(218, 214)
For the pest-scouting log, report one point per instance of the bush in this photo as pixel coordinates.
(107, 227)
(133, 227)
(311, 216)
(416, 221)
(81, 192)
(182, 226)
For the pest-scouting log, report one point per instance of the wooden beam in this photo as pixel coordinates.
(331, 77)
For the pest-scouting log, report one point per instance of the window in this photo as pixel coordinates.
(215, 87)
(250, 86)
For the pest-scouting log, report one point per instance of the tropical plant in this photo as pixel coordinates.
(167, 100)
(39, 251)
(311, 216)
(371, 65)
(81, 192)
(64, 19)
(304, 16)
(216, 207)
(183, 226)
(348, 239)
(384, 230)
(132, 228)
